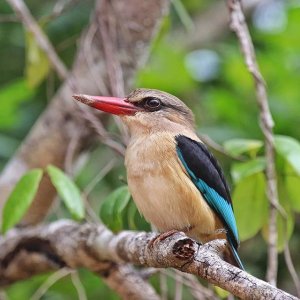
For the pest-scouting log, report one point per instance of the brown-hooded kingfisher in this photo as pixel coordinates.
(174, 180)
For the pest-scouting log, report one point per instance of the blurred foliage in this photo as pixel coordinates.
(37, 62)
(220, 91)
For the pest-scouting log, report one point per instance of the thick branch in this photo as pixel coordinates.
(239, 26)
(34, 253)
(65, 243)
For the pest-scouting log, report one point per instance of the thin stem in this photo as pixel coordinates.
(32, 26)
(291, 267)
(78, 286)
(41, 291)
(239, 26)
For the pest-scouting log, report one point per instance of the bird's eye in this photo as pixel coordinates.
(152, 104)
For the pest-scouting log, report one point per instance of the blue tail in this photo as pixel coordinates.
(235, 257)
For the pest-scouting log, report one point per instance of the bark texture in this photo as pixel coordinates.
(65, 243)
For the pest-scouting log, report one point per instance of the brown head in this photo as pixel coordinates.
(145, 110)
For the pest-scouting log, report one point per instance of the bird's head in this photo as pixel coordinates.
(145, 110)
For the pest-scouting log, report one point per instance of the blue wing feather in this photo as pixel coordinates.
(222, 207)
(208, 178)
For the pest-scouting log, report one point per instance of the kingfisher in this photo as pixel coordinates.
(175, 181)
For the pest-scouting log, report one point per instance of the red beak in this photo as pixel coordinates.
(112, 105)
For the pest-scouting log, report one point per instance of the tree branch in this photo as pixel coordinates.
(210, 25)
(239, 26)
(65, 243)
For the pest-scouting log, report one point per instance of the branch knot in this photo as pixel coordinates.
(184, 249)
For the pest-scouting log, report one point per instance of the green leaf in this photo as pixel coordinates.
(250, 205)
(120, 204)
(37, 62)
(241, 170)
(20, 198)
(131, 212)
(68, 191)
(289, 148)
(290, 180)
(113, 207)
(285, 226)
(292, 185)
(223, 294)
(11, 96)
(285, 229)
(240, 146)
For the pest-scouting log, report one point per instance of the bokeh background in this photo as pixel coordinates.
(202, 65)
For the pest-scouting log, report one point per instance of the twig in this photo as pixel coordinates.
(108, 31)
(291, 268)
(89, 58)
(163, 284)
(50, 86)
(107, 28)
(78, 286)
(59, 8)
(41, 291)
(239, 26)
(92, 216)
(70, 155)
(183, 15)
(3, 295)
(102, 173)
(206, 31)
(178, 286)
(31, 25)
(66, 43)
(215, 146)
(125, 280)
(8, 18)
(104, 136)
(198, 291)
(146, 273)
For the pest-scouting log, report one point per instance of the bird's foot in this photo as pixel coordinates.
(220, 232)
(161, 237)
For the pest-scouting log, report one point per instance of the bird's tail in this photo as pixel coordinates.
(233, 257)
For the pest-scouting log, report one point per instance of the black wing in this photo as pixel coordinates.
(208, 177)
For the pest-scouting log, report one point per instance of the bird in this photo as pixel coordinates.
(175, 181)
